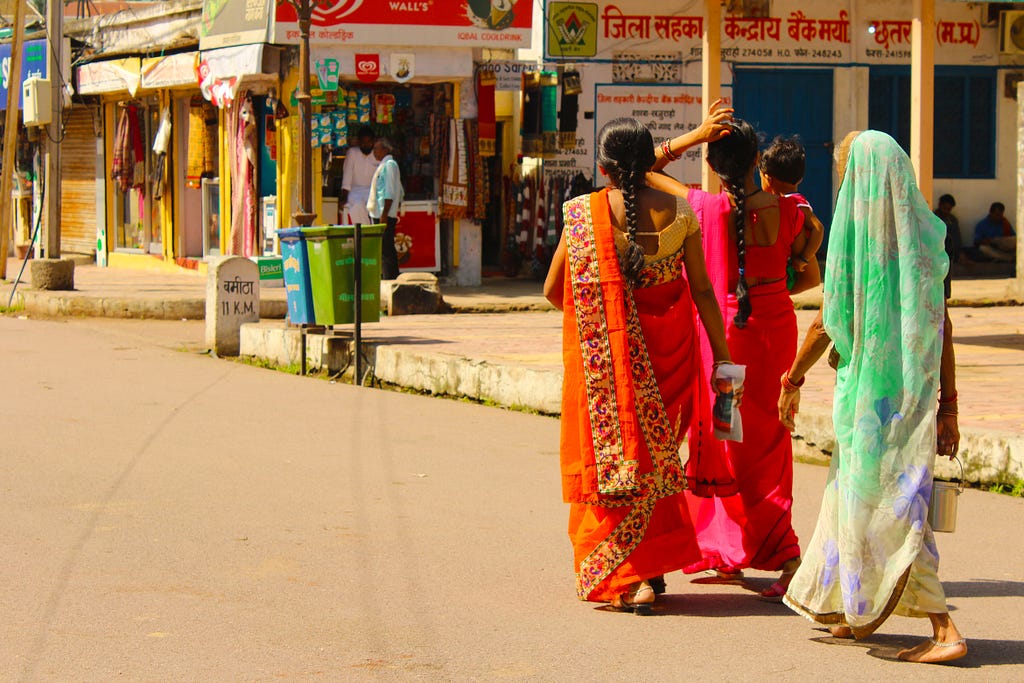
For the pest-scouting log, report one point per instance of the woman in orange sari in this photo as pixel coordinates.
(627, 273)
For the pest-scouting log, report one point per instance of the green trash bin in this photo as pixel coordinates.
(331, 252)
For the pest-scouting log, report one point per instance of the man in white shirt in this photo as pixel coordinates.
(386, 193)
(360, 165)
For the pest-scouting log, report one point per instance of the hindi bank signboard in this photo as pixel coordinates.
(796, 32)
(502, 24)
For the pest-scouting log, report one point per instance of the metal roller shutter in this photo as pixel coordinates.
(78, 184)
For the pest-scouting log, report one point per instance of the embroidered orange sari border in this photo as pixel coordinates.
(615, 474)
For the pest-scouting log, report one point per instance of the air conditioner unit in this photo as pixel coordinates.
(1011, 32)
(36, 109)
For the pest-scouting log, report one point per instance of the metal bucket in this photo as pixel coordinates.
(942, 510)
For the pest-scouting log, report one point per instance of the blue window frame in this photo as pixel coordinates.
(965, 116)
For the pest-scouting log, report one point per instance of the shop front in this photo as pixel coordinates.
(409, 75)
(139, 106)
(817, 69)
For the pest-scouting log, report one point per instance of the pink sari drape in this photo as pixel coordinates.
(746, 520)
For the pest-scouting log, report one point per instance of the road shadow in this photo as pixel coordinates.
(984, 588)
(732, 604)
(980, 652)
(1000, 341)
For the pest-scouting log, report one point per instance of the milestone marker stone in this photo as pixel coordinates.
(232, 298)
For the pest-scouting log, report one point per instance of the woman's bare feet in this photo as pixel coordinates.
(841, 631)
(945, 646)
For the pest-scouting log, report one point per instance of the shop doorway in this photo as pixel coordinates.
(190, 198)
(492, 227)
(788, 102)
(138, 223)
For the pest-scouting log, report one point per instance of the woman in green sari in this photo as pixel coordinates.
(873, 552)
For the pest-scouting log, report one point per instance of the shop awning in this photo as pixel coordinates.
(110, 76)
(172, 71)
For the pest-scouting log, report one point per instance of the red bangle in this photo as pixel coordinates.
(951, 399)
(789, 385)
(666, 149)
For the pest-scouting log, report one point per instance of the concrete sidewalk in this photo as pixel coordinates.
(176, 295)
(514, 360)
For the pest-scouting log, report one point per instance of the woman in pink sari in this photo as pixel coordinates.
(740, 493)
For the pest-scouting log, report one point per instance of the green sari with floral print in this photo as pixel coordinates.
(873, 552)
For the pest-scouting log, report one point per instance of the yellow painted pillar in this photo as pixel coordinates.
(287, 161)
(711, 76)
(922, 94)
(167, 198)
(225, 181)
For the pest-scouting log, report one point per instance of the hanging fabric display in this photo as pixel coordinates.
(455, 186)
(161, 144)
(139, 149)
(568, 113)
(122, 167)
(530, 129)
(128, 168)
(549, 113)
(478, 186)
(243, 177)
(486, 82)
(202, 143)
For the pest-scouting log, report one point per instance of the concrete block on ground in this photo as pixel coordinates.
(414, 294)
(52, 273)
(232, 298)
(281, 345)
(514, 386)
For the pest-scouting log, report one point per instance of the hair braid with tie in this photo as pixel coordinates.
(625, 150)
(732, 158)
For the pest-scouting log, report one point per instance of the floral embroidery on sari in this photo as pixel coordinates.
(613, 550)
(615, 474)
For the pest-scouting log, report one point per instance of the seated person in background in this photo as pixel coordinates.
(994, 236)
(782, 170)
(954, 242)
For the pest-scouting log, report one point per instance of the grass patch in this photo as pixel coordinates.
(17, 307)
(1015, 488)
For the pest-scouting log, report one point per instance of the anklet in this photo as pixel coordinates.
(953, 643)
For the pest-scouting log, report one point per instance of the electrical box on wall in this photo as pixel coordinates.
(37, 109)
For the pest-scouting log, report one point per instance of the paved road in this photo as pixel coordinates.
(168, 516)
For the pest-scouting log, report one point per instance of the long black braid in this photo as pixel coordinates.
(625, 150)
(731, 158)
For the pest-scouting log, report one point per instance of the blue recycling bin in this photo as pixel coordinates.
(295, 262)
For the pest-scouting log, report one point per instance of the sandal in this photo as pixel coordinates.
(627, 602)
(657, 584)
(728, 574)
(776, 591)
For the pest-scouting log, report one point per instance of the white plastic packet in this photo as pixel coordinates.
(726, 416)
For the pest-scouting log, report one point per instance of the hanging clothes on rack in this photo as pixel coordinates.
(455, 183)
(161, 144)
(549, 114)
(128, 167)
